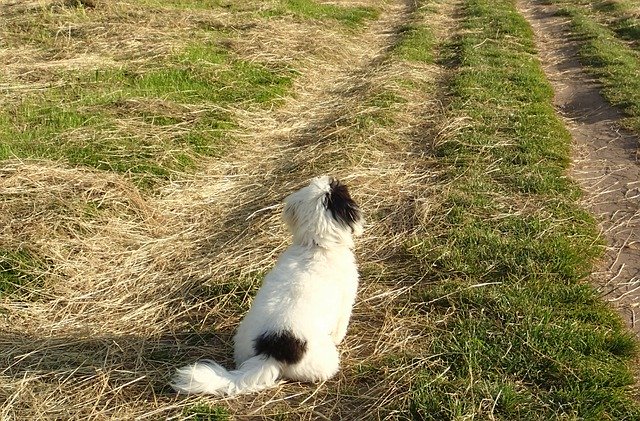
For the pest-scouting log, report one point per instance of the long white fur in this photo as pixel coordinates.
(309, 292)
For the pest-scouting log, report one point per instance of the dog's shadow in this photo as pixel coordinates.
(140, 365)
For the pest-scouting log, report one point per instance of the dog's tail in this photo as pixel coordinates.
(206, 376)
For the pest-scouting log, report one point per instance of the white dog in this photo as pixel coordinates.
(302, 310)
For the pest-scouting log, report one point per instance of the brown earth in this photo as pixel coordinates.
(605, 158)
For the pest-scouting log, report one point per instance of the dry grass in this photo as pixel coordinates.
(135, 284)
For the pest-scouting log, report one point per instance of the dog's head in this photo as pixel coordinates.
(323, 213)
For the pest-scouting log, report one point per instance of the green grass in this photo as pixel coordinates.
(203, 73)
(349, 16)
(418, 42)
(44, 126)
(618, 15)
(521, 335)
(610, 51)
(205, 412)
(16, 268)
(307, 9)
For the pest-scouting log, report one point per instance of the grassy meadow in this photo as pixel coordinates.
(145, 148)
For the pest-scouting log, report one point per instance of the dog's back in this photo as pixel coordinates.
(305, 295)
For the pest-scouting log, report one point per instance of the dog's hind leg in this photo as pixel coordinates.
(349, 297)
(321, 362)
(341, 328)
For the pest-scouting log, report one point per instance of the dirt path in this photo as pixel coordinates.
(605, 161)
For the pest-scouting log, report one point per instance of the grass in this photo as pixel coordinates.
(610, 51)
(417, 44)
(621, 16)
(349, 16)
(197, 4)
(522, 336)
(146, 115)
(17, 268)
(204, 412)
(115, 109)
(473, 301)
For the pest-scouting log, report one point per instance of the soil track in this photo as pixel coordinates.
(605, 162)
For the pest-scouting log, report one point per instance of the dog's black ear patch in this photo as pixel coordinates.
(283, 346)
(343, 208)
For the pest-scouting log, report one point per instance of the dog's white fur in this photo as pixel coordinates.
(307, 298)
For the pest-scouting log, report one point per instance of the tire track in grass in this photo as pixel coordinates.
(520, 335)
(606, 164)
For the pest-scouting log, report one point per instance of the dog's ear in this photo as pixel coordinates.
(342, 207)
(289, 215)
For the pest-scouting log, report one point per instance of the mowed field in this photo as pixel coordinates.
(145, 149)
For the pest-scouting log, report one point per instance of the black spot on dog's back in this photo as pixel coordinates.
(343, 208)
(283, 346)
